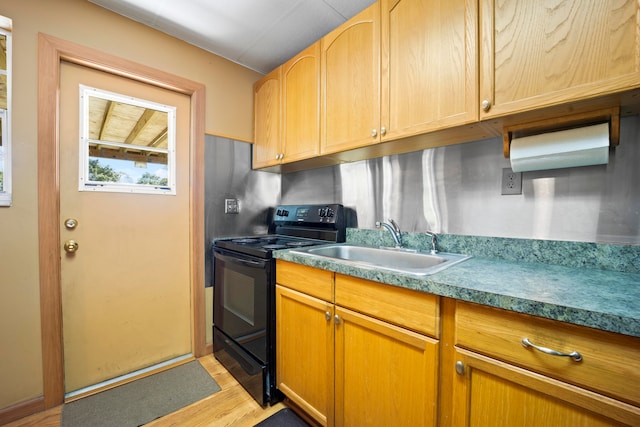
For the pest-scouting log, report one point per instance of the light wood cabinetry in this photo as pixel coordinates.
(540, 54)
(385, 373)
(267, 118)
(301, 105)
(305, 337)
(358, 365)
(357, 352)
(287, 111)
(429, 65)
(350, 88)
(415, 74)
(398, 69)
(305, 352)
(495, 380)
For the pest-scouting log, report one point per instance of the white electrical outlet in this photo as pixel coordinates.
(231, 206)
(511, 182)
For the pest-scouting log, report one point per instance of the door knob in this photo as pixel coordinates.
(71, 246)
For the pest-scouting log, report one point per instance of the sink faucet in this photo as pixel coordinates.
(434, 242)
(393, 229)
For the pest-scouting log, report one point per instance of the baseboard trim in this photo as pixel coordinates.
(21, 410)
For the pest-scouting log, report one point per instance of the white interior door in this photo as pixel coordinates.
(126, 302)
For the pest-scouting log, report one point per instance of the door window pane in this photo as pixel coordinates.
(126, 144)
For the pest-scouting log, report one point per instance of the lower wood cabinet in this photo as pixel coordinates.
(305, 352)
(490, 378)
(347, 368)
(492, 393)
(353, 352)
(385, 375)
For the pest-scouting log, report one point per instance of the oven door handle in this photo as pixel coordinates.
(245, 262)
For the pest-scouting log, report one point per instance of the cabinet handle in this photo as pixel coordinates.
(459, 368)
(577, 357)
(383, 131)
(374, 133)
(336, 319)
(327, 315)
(486, 105)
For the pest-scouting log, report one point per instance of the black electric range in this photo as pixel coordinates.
(244, 338)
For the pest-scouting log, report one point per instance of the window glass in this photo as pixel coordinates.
(126, 144)
(5, 102)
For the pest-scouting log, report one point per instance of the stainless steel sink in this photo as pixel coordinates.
(396, 260)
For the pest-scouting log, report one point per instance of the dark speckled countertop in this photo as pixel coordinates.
(581, 283)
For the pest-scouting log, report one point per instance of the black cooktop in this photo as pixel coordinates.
(262, 246)
(293, 226)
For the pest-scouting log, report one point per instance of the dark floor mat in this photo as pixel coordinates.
(283, 418)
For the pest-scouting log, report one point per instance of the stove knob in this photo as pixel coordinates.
(285, 212)
(279, 212)
(330, 213)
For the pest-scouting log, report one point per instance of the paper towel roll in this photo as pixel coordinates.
(563, 149)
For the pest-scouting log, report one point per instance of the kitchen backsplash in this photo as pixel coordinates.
(599, 256)
(456, 190)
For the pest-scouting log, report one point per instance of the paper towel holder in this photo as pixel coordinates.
(610, 115)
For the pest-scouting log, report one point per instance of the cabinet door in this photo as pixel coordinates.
(301, 105)
(266, 110)
(304, 359)
(350, 83)
(429, 72)
(536, 54)
(493, 393)
(385, 375)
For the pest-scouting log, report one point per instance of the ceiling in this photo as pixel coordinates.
(259, 34)
(130, 127)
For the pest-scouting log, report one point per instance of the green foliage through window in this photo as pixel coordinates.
(98, 172)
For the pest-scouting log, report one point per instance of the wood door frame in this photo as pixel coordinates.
(51, 51)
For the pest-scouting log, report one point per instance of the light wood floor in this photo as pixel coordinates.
(231, 406)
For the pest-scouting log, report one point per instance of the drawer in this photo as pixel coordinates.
(609, 362)
(311, 281)
(407, 308)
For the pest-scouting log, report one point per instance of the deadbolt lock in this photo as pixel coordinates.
(70, 223)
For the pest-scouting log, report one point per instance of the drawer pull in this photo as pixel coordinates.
(577, 357)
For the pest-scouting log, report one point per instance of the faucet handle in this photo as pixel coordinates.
(395, 226)
(434, 241)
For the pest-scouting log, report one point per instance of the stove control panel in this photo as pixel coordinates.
(313, 214)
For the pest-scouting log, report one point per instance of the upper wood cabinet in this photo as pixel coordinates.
(301, 105)
(266, 128)
(350, 75)
(429, 65)
(537, 54)
(287, 111)
(399, 68)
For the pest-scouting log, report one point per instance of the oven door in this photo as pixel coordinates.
(243, 297)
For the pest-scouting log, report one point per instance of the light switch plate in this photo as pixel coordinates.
(231, 206)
